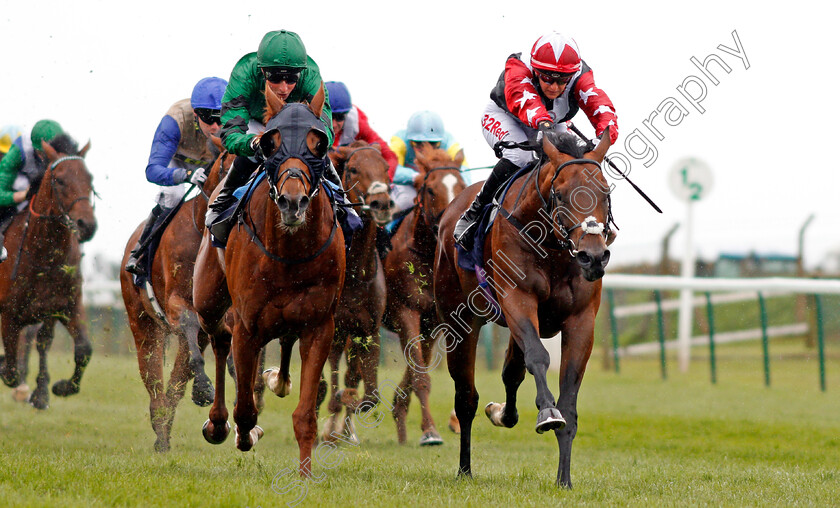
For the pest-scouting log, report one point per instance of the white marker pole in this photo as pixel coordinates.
(686, 317)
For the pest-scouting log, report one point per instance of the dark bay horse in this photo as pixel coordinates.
(169, 310)
(41, 281)
(410, 309)
(281, 274)
(359, 314)
(544, 257)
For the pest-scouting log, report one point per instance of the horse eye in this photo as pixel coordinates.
(431, 192)
(353, 171)
(58, 181)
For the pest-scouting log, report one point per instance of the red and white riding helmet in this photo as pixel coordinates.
(554, 52)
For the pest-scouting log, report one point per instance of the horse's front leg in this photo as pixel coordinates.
(82, 351)
(40, 398)
(314, 348)
(513, 373)
(246, 352)
(10, 330)
(423, 384)
(578, 335)
(408, 321)
(202, 391)
(217, 428)
(520, 309)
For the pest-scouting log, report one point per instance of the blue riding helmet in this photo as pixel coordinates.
(425, 126)
(339, 97)
(207, 93)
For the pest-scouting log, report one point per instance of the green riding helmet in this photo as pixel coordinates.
(44, 130)
(281, 49)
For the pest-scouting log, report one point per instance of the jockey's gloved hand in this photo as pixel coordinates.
(198, 176)
(255, 146)
(543, 128)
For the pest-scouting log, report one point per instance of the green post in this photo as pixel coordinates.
(764, 339)
(487, 337)
(710, 313)
(613, 327)
(820, 340)
(661, 322)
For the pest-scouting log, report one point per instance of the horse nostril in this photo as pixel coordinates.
(584, 259)
(283, 203)
(376, 204)
(605, 258)
(304, 203)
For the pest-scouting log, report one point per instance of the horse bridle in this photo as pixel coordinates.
(374, 188)
(435, 219)
(64, 214)
(590, 224)
(286, 175)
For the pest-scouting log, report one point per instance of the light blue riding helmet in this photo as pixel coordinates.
(425, 126)
(339, 97)
(207, 94)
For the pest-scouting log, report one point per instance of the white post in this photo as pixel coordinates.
(686, 295)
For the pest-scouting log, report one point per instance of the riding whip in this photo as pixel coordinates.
(581, 135)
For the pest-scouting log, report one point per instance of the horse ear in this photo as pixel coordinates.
(421, 160)
(317, 104)
(552, 151)
(273, 104)
(84, 149)
(49, 150)
(217, 142)
(603, 145)
(459, 158)
(376, 147)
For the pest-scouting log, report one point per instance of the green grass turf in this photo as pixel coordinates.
(641, 441)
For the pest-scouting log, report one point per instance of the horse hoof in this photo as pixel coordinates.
(549, 419)
(494, 411)
(216, 434)
(21, 393)
(431, 438)
(253, 436)
(161, 446)
(202, 396)
(39, 403)
(65, 388)
(454, 424)
(272, 380)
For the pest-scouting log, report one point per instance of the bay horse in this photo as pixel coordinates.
(364, 172)
(168, 310)
(41, 281)
(410, 308)
(281, 274)
(544, 285)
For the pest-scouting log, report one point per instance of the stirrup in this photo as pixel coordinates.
(3, 254)
(134, 265)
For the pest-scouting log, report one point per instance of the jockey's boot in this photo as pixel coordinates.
(3, 253)
(136, 263)
(466, 224)
(238, 176)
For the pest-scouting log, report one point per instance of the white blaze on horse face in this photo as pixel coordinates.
(449, 181)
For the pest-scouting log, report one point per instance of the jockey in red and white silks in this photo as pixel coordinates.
(542, 93)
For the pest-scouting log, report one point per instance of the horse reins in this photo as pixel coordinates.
(590, 225)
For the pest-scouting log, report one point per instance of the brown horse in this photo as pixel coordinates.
(410, 308)
(281, 273)
(544, 257)
(163, 306)
(41, 281)
(359, 314)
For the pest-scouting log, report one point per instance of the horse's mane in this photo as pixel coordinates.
(568, 144)
(63, 143)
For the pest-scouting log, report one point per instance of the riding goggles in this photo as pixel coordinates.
(209, 116)
(281, 74)
(553, 77)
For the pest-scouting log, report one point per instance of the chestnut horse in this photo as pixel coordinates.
(172, 311)
(410, 308)
(41, 281)
(359, 314)
(281, 273)
(546, 275)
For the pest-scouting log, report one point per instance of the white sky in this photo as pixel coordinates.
(108, 71)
